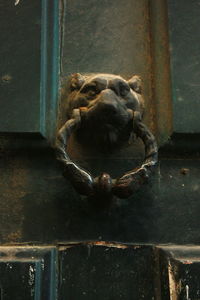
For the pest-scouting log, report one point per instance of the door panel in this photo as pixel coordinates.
(107, 272)
(28, 273)
(185, 60)
(20, 66)
(117, 271)
(99, 271)
(29, 66)
(116, 37)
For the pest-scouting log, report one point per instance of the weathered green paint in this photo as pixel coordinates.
(105, 37)
(28, 273)
(108, 37)
(35, 195)
(185, 59)
(29, 66)
(20, 66)
(49, 68)
(161, 87)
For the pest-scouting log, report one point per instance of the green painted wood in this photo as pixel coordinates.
(184, 25)
(107, 37)
(28, 273)
(98, 36)
(18, 280)
(39, 205)
(20, 66)
(29, 66)
(49, 65)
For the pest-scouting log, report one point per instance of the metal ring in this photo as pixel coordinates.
(103, 185)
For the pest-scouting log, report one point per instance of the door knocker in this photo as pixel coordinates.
(108, 108)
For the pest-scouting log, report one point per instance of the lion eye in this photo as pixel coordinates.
(90, 89)
(121, 88)
(124, 89)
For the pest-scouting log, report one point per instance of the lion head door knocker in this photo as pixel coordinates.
(110, 108)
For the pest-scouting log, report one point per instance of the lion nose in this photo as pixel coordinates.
(107, 101)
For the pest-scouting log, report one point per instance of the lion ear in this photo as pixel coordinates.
(76, 82)
(135, 83)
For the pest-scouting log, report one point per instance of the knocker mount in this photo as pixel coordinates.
(107, 108)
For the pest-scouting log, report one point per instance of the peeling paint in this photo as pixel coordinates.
(100, 243)
(103, 243)
(184, 171)
(6, 78)
(187, 262)
(42, 264)
(31, 276)
(187, 292)
(17, 2)
(174, 286)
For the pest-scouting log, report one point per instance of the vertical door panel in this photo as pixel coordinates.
(28, 273)
(108, 272)
(29, 66)
(184, 24)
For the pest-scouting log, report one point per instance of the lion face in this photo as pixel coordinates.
(105, 102)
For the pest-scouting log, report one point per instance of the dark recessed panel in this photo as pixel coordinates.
(184, 25)
(107, 272)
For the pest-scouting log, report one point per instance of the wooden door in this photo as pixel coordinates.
(55, 244)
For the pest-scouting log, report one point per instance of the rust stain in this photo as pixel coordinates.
(161, 68)
(14, 236)
(148, 93)
(184, 171)
(187, 262)
(6, 78)
(99, 243)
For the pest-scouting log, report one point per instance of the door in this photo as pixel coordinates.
(55, 243)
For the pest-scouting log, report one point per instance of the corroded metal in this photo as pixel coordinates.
(105, 109)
